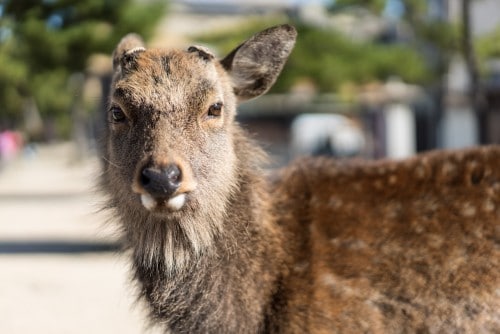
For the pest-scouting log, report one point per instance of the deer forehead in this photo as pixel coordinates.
(159, 79)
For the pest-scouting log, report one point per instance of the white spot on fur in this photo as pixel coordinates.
(301, 267)
(473, 164)
(350, 243)
(177, 202)
(448, 169)
(419, 229)
(489, 206)
(328, 280)
(435, 240)
(335, 202)
(468, 210)
(478, 233)
(148, 201)
(420, 172)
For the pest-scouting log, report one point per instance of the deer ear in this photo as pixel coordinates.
(128, 46)
(255, 64)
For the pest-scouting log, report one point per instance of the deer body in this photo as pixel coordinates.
(320, 247)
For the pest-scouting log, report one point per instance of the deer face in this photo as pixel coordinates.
(171, 115)
(170, 118)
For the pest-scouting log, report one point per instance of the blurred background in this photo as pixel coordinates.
(369, 78)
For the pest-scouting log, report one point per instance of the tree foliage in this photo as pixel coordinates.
(374, 5)
(328, 60)
(43, 42)
(488, 47)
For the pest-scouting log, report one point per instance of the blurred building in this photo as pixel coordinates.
(461, 125)
(484, 13)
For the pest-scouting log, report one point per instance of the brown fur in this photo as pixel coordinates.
(324, 246)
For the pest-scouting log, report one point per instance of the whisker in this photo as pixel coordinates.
(111, 162)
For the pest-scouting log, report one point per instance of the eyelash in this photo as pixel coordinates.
(117, 115)
(215, 110)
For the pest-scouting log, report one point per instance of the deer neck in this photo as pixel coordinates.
(235, 276)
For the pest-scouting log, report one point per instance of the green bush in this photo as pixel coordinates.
(329, 60)
(43, 42)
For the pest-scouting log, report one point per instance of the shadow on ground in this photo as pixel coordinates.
(56, 247)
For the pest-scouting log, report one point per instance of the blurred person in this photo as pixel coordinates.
(11, 143)
(326, 134)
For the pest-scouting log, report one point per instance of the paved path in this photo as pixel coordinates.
(59, 269)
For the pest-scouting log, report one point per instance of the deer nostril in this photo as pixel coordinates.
(145, 176)
(173, 173)
(161, 182)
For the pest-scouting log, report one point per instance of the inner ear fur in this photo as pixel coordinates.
(129, 44)
(255, 65)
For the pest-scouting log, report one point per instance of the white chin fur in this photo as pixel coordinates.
(148, 201)
(175, 203)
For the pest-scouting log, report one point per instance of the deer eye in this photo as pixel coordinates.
(215, 110)
(117, 115)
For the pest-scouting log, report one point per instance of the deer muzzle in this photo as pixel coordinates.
(163, 184)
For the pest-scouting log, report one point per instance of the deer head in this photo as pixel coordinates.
(170, 150)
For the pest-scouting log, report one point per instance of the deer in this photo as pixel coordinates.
(217, 243)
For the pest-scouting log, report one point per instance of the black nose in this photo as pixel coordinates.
(161, 182)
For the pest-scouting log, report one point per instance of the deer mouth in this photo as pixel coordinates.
(174, 203)
(163, 187)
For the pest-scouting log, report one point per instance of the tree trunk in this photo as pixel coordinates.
(475, 91)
